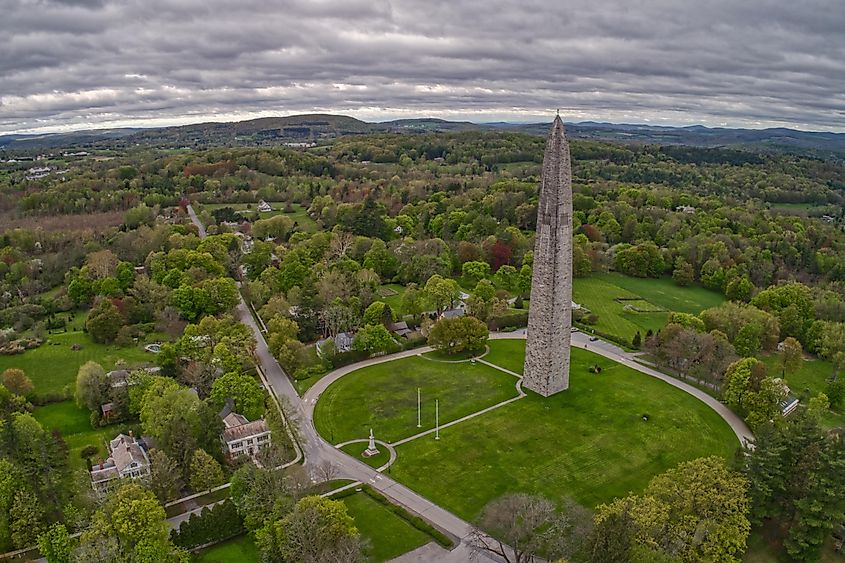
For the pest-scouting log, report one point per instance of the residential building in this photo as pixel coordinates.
(242, 437)
(342, 342)
(128, 459)
(400, 329)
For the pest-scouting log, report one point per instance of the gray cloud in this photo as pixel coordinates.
(70, 64)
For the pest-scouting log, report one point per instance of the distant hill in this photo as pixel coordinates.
(322, 127)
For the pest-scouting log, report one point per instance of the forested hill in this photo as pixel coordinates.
(319, 127)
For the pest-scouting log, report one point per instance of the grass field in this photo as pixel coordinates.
(598, 293)
(392, 294)
(53, 366)
(388, 535)
(236, 550)
(75, 426)
(384, 397)
(300, 213)
(589, 443)
(806, 382)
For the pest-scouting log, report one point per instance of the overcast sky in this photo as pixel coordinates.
(76, 64)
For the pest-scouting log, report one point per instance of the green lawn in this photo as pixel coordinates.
(53, 366)
(388, 535)
(666, 293)
(589, 443)
(509, 354)
(376, 461)
(807, 381)
(236, 550)
(598, 293)
(384, 397)
(75, 426)
(392, 294)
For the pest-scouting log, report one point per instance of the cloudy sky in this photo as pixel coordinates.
(76, 64)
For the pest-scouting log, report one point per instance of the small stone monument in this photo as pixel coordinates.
(371, 447)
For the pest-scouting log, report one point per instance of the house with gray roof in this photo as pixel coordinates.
(128, 459)
(242, 437)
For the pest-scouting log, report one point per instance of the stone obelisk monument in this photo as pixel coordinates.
(550, 311)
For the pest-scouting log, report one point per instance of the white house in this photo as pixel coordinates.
(242, 437)
(128, 460)
(264, 207)
(689, 209)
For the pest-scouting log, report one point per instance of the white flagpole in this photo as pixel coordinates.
(436, 419)
(419, 409)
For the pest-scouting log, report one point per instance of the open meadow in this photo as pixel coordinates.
(53, 365)
(590, 443)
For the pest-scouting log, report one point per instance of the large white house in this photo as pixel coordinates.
(127, 460)
(242, 437)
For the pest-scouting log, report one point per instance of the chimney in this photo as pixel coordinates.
(130, 433)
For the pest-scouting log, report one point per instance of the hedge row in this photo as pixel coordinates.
(215, 524)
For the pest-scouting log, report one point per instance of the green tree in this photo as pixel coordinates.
(165, 476)
(687, 320)
(135, 524)
(260, 494)
(413, 301)
(243, 389)
(442, 292)
(739, 288)
(475, 271)
(381, 260)
(790, 355)
(26, 517)
(697, 511)
(104, 321)
(821, 507)
(749, 339)
(507, 278)
(55, 544)
(373, 339)
(737, 382)
(206, 472)
(316, 530)
(92, 386)
(459, 334)
(377, 313)
(683, 274)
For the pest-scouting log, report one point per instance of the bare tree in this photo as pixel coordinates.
(326, 471)
(521, 526)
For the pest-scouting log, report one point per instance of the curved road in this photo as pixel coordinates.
(318, 452)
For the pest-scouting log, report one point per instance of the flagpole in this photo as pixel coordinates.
(436, 419)
(419, 407)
